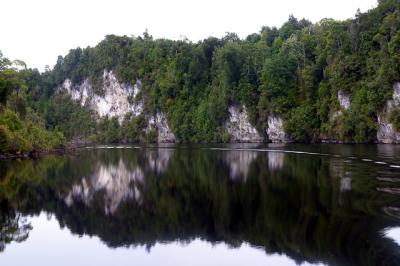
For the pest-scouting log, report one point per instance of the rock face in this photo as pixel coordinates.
(114, 103)
(118, 100)
(275, 131)
(160, 124)
(239, 127)
(386, 131)
(344, 100)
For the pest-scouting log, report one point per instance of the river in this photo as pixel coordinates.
(203, 205)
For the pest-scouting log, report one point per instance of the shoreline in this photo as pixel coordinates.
(70, 147)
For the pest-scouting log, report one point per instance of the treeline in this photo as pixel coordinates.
(22, 130)
(294, 71)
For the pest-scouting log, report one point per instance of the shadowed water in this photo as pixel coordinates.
(200, 205)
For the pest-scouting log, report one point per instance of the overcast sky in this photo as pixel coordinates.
(38, 31)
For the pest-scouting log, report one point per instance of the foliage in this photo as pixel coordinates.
(278, 70)
(69, 117)
(394, 118)
(17, 135)
(21, 128)
(302, 124)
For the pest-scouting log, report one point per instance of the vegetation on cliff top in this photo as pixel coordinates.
(294, 71)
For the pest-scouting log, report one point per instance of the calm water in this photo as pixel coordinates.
(199, 205)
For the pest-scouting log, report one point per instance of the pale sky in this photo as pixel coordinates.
(38, 31)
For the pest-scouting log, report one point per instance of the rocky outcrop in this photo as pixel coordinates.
(386, 132)
(116, 99)
(395, 101)
(159, 123)
(344, 99)
(275, 131)
(335, 119)
(344, 103)
(239, 127)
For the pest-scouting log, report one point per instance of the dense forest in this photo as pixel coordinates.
(294, 71)
(22, 129)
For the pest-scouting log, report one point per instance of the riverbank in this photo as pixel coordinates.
(33, 154)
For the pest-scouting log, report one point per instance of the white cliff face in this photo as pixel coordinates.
(275, 131)
(239, 127)
(386, 131)
(160, 124)
(115, 101)
(344, 100)
(118, 183)
(395, 101)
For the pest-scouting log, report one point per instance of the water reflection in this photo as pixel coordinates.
(159, 159)
(312, 208)
(118, 183)
(239, 163)
(275, 161)
(394, 234)
(13, 227)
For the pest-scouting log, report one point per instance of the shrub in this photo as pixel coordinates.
(394, 118)
(302, 124)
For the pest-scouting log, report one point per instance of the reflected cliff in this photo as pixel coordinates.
(327, 209)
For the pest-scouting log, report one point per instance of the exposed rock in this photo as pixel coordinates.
(395, 101)
(386, 132)
(344, 102)
(160, 124)
(239, 127)
(275, 131)
(114, 103)
(335, 119)
(344, 99)
(118, 100)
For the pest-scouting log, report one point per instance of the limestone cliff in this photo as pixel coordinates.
(115, 101)
(386, 132)
(239, 127)
(118, 100)
(275, 131)
(159, 123)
